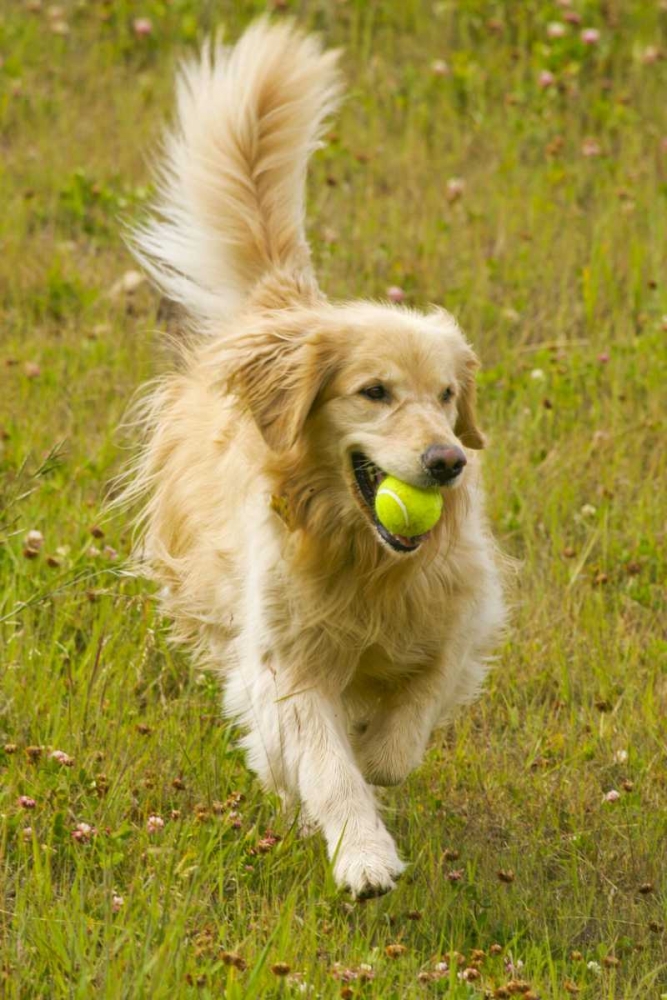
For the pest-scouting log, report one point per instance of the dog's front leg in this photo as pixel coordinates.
(336, 797)
(298, 744)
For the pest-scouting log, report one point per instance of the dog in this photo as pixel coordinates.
(341, 645)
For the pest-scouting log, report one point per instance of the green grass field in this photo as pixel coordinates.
(554, 258)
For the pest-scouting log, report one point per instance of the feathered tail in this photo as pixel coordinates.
(232, 184)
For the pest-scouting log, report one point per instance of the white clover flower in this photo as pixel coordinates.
(154, 824)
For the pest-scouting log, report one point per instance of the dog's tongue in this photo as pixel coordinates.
(413, 542)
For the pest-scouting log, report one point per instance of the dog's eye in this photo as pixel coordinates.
(377, 393)
(447, 394)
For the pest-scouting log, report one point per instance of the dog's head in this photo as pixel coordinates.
(346, 395)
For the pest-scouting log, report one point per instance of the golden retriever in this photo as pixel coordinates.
(341, 644)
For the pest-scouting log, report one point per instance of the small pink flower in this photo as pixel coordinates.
(455, 188)
(612, 796)
(26, 802)
(62, 758)
(154, 824)
(546, 79)
(82, 832)
(512, 967)
(591, 147)
(117, 902)
(440, 68)
(266, 843)
(34, 540)
(590, 36)
(142, 26)
(650, 55)
(395, 293)
(455, 875)
(572, 17)
(556, 29)
(603, 358)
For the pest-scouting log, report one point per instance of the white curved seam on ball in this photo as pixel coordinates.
(390, 493)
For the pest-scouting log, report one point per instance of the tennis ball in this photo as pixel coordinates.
(406, 510)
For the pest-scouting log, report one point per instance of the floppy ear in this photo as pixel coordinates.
(279, 380)
(466, 428)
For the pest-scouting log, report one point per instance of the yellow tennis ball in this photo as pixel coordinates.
(406, 510)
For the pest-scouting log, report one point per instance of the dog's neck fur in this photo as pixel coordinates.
(349, 591)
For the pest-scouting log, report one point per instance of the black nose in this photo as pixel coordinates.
(444, 462)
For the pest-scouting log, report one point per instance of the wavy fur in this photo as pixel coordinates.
(232, 179)
(339, 655)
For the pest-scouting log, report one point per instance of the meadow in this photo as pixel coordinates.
(505, 160)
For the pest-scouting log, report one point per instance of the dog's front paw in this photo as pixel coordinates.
(369, 866)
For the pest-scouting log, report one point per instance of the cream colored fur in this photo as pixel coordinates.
(339, 655)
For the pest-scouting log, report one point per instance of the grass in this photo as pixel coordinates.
(555, 263)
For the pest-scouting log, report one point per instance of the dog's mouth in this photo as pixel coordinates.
(368, 477)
